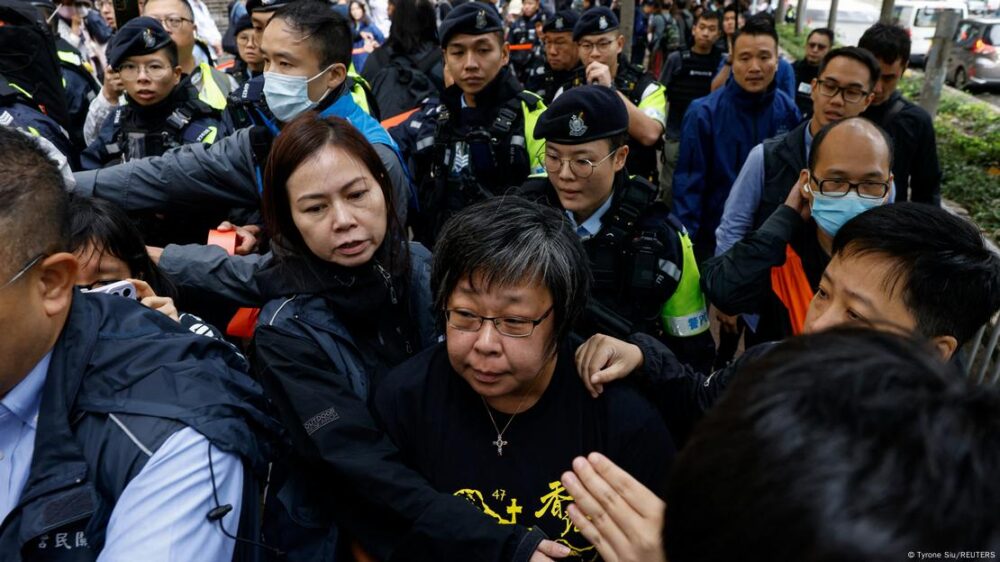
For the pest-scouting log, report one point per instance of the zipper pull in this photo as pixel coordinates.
(388, 282)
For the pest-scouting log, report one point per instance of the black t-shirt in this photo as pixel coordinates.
(442, 428)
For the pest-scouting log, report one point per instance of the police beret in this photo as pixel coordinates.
(564, 20)
(595, 21)
(583, 114)
(140, 36)
(265, 5)
(242, 24)
(471, 18)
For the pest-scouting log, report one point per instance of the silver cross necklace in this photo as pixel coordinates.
(500, 443)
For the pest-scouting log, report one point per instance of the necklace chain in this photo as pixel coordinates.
(499, 443)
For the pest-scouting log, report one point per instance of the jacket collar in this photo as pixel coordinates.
(747, 101)
(491, 97)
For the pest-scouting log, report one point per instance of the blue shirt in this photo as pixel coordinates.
(590, 227)
(160, 516)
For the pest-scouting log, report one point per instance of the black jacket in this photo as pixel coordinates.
(115, 356)
(681, 393)
(739, 280)
(916, 171)
(345, 474)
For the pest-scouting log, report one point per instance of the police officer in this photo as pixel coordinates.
(177, 18)
(561, 61)
(161, 111)
(31, 94)
(523, 38)
(645, 275)
(480, 141)
(600, 46)
(687, 76)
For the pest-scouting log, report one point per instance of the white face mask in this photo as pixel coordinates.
(288, 96)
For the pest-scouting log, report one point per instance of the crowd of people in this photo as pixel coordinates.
(442, 280)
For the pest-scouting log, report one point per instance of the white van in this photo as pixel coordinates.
(920, 19)
(853, 18)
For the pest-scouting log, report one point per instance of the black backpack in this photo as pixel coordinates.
(403, 83)
(29, 59)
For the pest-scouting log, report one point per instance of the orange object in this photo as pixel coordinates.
(243, 323)
(225, 239)
(522, 47)
(226, 65)
(792, 286)
(397, 119)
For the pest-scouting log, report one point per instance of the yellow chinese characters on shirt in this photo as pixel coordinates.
(550, 506)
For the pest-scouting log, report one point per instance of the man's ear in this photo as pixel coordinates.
(336, 76)
(177, 72)
(56, 279)
(505, 53)
(806, 185)
(945, 346)
(621, 42)
(620, 157)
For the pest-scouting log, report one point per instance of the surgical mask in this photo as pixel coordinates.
(288, 96)
(831, 213)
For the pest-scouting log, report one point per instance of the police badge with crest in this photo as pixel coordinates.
(559, 24)
(576, 125)
(147, 38)
(602, 23)
(481, 19)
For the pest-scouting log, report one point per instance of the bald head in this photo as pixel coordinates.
(852, 145)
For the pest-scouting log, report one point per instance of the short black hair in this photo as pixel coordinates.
(734, 8)
(825, 31)
(889, 43)
(858, 54)
(327, 30)
(710, 15)
(820, 137)
(509, 240)
(850, 444)
(109, 229)
(33, 202)
(761, 24)
(947, 276)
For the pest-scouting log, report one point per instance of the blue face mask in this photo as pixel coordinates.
(288, 96)
(831, 213)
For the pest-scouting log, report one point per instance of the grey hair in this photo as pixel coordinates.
(506, 241)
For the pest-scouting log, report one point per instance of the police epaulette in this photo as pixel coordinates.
(531, 99)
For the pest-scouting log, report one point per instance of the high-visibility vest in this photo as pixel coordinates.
(790, 284)
(685, 313)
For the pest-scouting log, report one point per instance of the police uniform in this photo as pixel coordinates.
(521, 35)
(464, 154)
(240, 72)
(687, 76)
(135, 131)
(541, 78)
(633, 82)
(18, 111)
(645, 275)
(80, 87)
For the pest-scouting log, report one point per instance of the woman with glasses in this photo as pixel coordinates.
(496, 412)
(249, 61)
(646, 278)
(351, 300)
(160, 111)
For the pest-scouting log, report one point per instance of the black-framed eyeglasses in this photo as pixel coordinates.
(510, 326)
(830, 88)
(581, 167)
(840, 188)
(27, 267)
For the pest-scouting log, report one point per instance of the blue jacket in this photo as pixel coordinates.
(717, 134)
(117, 356)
